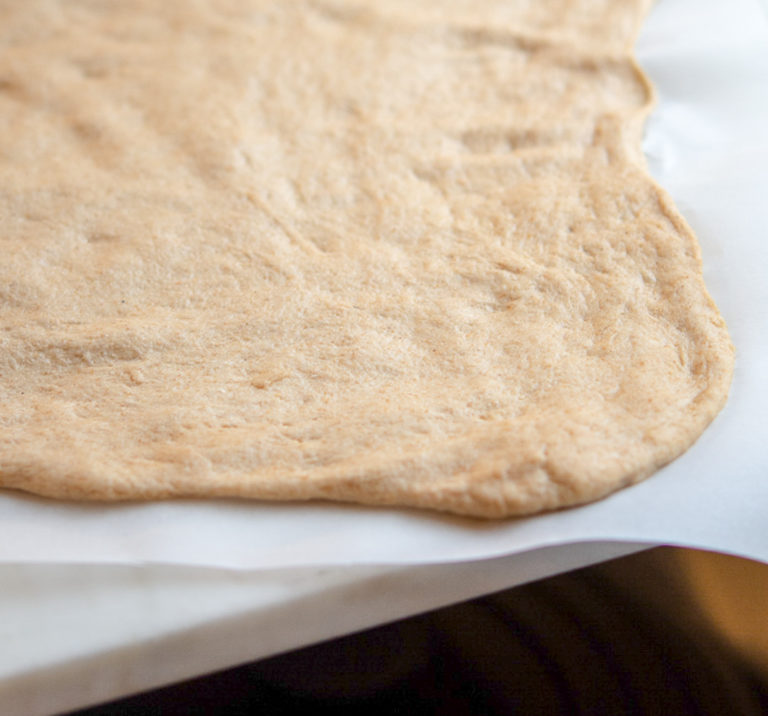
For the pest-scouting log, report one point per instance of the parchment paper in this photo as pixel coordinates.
(707, 144)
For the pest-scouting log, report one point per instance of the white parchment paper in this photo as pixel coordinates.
(707, 144)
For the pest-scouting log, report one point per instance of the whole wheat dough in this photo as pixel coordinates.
(388, 252)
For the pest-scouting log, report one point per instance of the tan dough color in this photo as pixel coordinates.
(390, 252)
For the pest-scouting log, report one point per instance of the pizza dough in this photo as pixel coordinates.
(398, 253)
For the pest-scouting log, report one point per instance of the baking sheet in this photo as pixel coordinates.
(707, 145)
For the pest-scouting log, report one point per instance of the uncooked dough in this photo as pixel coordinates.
(400, 252)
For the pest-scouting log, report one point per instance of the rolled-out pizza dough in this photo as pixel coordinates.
(393, 252)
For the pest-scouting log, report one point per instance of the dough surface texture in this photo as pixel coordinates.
(402, 253)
